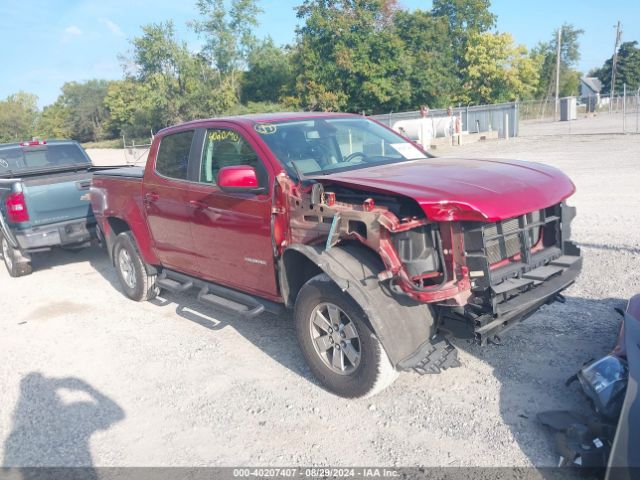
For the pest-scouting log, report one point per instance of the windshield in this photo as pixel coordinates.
(17, 158)
(326, 145)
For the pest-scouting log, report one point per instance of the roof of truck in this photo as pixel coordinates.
(41, 143)
(254, 118)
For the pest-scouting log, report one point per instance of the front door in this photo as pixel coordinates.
(232, 231)
(165, 197)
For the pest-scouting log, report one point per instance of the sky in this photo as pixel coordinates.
(46, 43)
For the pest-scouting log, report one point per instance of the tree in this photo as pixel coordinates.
(465, 18)
(498, 70)
(228, 35)
(175, 85)
(546, 53)
(269, 75)
(18, 116)
(627, 69)
(53, 122)
(432, 74)
(86, 114)
(349, 57)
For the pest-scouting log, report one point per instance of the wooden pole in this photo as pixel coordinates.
(558, 73)
(614, 65)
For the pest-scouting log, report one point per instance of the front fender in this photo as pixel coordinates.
(401, 324)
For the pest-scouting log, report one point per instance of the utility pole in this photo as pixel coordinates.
(615, 64)
(558, 72)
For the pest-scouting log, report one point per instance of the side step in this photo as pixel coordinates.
(172, 285)
(240, 308)
(215, 295)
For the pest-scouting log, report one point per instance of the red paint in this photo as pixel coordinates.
(237, 177)
(230, 236)
(465, 189)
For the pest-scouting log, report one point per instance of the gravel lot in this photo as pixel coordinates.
(88, 377)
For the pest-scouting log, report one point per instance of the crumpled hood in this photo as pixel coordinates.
(450, 189)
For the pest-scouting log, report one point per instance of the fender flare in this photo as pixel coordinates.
(401, 324)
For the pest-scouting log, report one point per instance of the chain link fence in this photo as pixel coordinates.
(597, 114)
(498, 121)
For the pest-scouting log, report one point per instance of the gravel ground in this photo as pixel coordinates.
(88, 377)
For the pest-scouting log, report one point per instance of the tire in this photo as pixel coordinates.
(16, 264)
(136, 282)
(349, 362)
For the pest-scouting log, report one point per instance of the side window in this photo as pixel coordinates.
(173, 155)
(226, 148)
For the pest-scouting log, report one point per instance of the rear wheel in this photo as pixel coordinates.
(337, 342)
(136, 282)
(17, 265)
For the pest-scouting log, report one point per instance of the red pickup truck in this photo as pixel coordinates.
(381, 250)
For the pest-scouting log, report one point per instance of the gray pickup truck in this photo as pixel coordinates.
(44, 200)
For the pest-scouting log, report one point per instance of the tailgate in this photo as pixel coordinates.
(58, 197)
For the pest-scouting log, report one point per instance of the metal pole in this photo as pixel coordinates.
(624, 107)
(506, 126)
(558, 72)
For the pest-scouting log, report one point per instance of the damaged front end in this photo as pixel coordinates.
(478, 277)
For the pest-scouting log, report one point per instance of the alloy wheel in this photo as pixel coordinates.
(335, 338)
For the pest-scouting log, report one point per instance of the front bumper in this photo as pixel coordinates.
(525, 295)
(69, 233)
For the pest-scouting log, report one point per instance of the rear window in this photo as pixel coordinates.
(173, 155)
(14, 159)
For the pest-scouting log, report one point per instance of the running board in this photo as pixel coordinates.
(172, 285)
(217, 296)
(207, 297)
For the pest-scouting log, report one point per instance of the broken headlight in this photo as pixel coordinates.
(605, 382)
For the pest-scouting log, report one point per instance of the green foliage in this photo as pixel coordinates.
(53, 122)
(465, 18)
(86, 113)
(18, 115)
(269, 75)
(498, 70)
(228, 35)
(349, 57)
(432, 75)
(627, 69)
(171, 85)
(546, 53)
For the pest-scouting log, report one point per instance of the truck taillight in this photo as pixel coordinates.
(33, 143)
(17, 208)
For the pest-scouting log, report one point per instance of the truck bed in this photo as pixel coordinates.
(129, 172)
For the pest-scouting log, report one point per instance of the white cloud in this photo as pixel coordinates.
(70, 32)
(112, 26)
(73, 30)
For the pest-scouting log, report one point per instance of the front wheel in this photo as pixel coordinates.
(136, 282)
(337, 342)
(16, 264)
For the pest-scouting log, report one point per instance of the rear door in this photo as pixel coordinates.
(232, 231)
(165, 195)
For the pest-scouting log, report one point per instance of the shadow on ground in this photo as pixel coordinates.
(531, 365)
(52, 424)
(536, 358)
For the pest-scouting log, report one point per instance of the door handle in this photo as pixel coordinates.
(198, 204)
(151, 197)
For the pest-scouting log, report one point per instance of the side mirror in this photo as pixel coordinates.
(239, 179)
